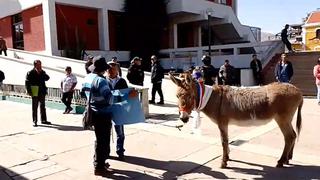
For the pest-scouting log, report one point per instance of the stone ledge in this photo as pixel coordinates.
(78, 109)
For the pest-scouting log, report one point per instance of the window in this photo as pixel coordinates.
(17, 28)
(224, 2)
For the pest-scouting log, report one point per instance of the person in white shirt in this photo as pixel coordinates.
(67, 86)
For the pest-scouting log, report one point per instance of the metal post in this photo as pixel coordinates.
(209, 35)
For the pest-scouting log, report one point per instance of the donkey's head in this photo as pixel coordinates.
(185, 94)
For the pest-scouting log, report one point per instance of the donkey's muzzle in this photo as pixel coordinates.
(184, 116)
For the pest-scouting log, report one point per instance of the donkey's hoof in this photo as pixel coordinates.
(287, 162)
(223, 165)
(279, 165)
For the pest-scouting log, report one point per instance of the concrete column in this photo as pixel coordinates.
(199, 52)
(235, 7)
(103, 30)
(50, 27)
(199, 37)
(175, 36)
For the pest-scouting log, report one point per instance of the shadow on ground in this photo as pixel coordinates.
(173, 169)
(176, 169)
(62, 127)
(162, 117)
(7, 174)
(292, 171)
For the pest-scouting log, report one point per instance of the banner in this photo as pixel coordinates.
(125, 109)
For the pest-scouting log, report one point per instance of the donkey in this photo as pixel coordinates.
(244, 107)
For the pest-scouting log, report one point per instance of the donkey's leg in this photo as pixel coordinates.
(225, 143)
(289, 138)
(292, 147)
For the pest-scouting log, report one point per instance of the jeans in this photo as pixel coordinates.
(120, 139)
(156, 87)
(318, 94)
(66, 99)
(35, 103)
(102, 129)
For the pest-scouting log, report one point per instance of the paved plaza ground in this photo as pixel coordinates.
(155, 149)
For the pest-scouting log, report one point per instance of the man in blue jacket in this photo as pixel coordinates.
(101, 98)
(284, 70)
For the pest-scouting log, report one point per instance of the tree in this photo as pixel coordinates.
(145, 22)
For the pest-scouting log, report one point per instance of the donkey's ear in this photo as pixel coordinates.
(175, 80)
(188, 78)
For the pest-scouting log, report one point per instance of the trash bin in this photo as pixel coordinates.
(247, 78)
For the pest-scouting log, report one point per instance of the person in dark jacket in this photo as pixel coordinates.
(256, 67)
(37, 89)
(88, 64)
(2, 77)
(284, 37)
(3, 46)
(157, 74)
(117, 82)
(115, 60)
(135, 73)
(284, 70)
(208, 71)
(226, 73)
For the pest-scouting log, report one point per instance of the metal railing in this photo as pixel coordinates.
(55, 94)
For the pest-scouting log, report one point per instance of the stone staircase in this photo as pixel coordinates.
(268, 70)
(303, 63)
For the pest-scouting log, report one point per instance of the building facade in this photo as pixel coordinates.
(53, 27)
(311, 31)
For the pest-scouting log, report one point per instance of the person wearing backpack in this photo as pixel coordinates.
(208, 71)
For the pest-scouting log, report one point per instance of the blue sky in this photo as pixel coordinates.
(272, 15)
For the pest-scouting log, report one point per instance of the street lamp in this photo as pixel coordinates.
(209, 12)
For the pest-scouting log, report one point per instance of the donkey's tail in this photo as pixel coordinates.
(299, 119)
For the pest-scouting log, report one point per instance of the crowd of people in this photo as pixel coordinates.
(104, 76)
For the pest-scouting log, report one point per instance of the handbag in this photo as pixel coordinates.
(87, 121)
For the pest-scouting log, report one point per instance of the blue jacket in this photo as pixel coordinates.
(101, 97)
(284, 73)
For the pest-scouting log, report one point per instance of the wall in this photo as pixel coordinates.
(33, 29)
(75, 24)
(311, 41)
(5, 30)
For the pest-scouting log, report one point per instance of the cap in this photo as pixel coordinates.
(99, 64)
(112, 63)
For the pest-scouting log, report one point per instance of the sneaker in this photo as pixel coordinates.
(151, 102)
(45, 122)
(101, 171)
(65, 112)
(160, 102)
(35, 125)
(121, 157)
(69, 110)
